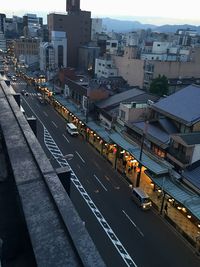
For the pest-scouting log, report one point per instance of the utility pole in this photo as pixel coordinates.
(141, 151)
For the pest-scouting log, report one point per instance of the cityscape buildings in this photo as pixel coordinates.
(102, 82)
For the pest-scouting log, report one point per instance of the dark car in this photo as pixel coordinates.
(24, 92)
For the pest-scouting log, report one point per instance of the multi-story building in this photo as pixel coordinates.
(2, 42)
(2, 22)
(47, 57)
(173, 127)
(131, 38)
(87, 55)
(112, 47)
(129, 67)
(59, 42)
(77, 35)
(140, 72)
(32, 24)
(104, 67)
(27, 50)
(96, 27)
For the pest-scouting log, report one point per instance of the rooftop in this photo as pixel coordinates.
(182, 105)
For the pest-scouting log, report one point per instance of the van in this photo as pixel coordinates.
(71, 129)
(141, 198)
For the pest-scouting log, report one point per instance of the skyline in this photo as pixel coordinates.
(153, 13)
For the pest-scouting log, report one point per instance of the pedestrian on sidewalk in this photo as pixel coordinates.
(166, 208)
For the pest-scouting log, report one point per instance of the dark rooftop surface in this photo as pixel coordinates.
(183, 105)
(191, 138)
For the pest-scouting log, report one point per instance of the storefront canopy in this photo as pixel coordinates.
(134, 150)
(180, 193)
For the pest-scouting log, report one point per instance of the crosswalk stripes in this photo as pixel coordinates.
(18, 83)
(74, 179)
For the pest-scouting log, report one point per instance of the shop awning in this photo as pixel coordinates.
(134, 150)
(180, 193)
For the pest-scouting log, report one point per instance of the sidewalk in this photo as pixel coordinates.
(176, 218)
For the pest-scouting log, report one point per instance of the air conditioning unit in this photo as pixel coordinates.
(150, 102)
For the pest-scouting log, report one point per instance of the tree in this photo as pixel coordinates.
(159, 86)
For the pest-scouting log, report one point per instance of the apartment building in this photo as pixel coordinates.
(141, 71)
(173, 127)
(104, 67)
(96, 27)
(77, 35)
(27, 50)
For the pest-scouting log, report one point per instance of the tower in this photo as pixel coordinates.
(73, 6)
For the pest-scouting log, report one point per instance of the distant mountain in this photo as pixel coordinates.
(124, 25)
(174, 28)
(128, 25)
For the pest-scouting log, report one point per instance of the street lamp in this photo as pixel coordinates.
(141, 151)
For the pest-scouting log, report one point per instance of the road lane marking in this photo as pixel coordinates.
(98, 167)
(54, 124)
(138, 229)
(107, 178)
(102, 221)
(100, 182)
(80, 157)
(45, 114)
(65, 138)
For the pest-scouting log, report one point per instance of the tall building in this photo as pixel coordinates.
(59, 42)
(77, 26)
(73, 6)
(32, 24)
(2, 22)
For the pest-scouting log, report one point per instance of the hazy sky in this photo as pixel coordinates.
(154, 11)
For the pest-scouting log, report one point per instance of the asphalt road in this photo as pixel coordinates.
(128, 236)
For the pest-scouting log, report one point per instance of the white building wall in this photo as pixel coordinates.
(51, 57)
(132, 39)
(104, 68)
(112, 47)
(59, 38)
(196, 153)
(2, 42)
(160, 47)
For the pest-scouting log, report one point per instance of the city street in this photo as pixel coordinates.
(123, 234)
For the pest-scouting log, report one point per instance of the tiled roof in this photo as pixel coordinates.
(117, 98)
(192, 175)
(183, 105)
(191, 138)
(154, 130)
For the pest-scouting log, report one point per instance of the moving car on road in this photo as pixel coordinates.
(71, 129)
(141, 198)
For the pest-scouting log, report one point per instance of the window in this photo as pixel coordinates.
(60, 56)
(122, 114)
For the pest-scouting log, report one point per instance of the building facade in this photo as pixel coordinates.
(77, 35)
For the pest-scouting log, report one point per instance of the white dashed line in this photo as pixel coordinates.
(80, 157)
(54, 124)
(100, 182)
(106, 227)
(66, 138)
(133, 223)
(45, 114)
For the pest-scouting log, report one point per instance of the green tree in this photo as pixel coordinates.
(159, 86)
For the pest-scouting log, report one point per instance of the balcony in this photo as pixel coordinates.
(178, 155)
